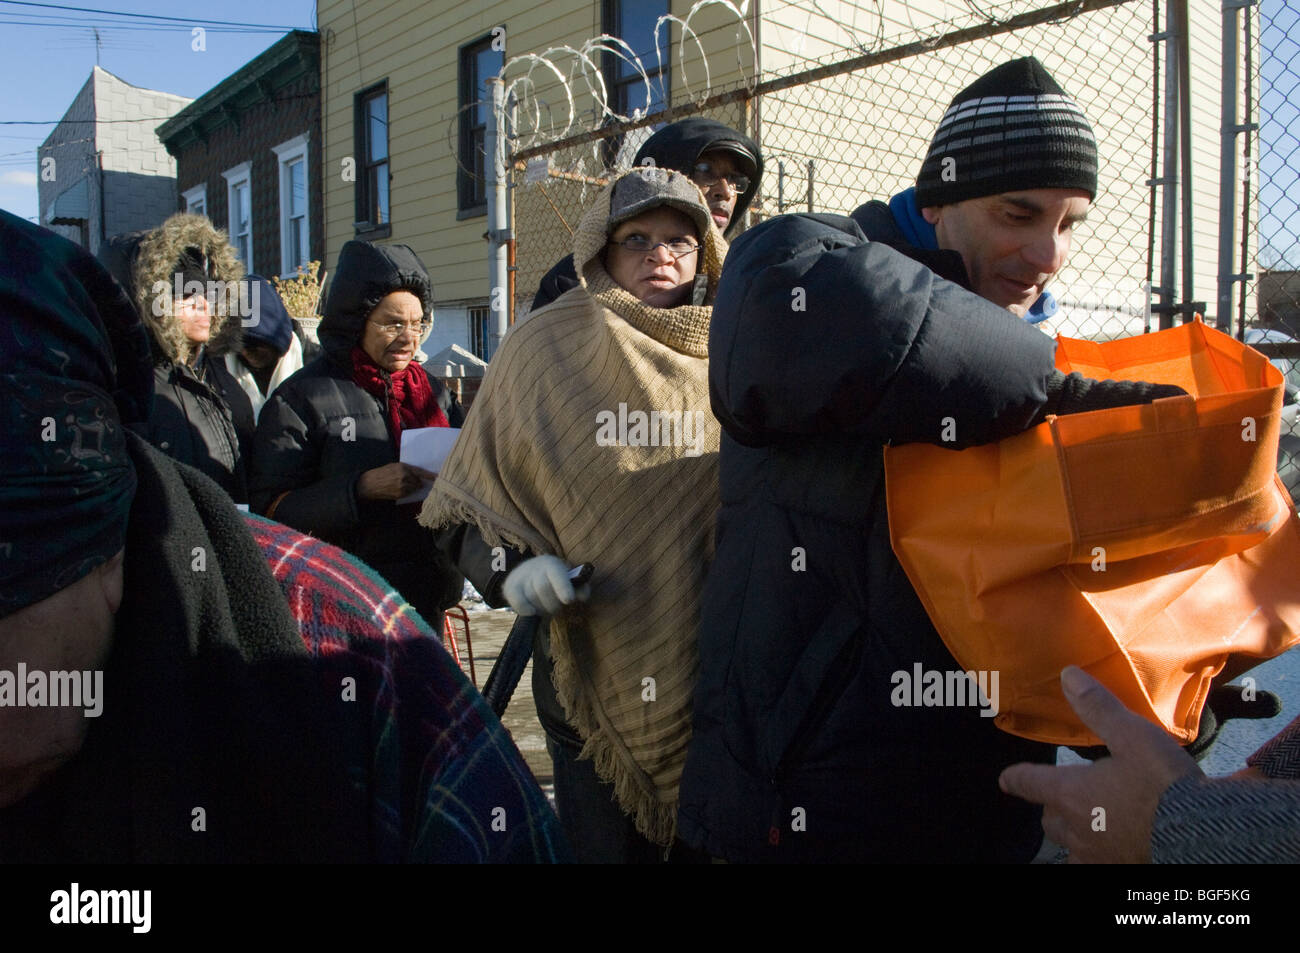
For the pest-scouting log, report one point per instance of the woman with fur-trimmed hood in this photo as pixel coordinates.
(183, 278)
(591, 441)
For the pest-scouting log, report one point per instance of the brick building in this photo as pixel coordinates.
(248, 156)
(101, 170)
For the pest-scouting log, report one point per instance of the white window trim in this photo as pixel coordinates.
(197, 194)
(241, 174)
(285, 153)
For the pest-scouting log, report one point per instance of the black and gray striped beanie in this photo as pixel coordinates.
(1012, 129)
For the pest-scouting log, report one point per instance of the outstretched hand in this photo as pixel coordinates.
(1102, 812)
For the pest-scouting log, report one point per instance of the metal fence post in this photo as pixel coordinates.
(497, 215)
(1227, 164)
(1182, 32)
(1247, 179)
(1154, 182)
(1229, 130)
(1169, 174)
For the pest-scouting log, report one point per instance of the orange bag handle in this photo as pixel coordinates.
(270, 510)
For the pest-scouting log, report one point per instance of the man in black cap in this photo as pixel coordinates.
(800, 749)
(725, 164)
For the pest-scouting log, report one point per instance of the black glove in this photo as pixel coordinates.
(1076, 394)
(1224, 703)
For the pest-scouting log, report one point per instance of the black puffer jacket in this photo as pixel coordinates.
(824, 347)
(320, 431)
(200, 415)
(677, 145)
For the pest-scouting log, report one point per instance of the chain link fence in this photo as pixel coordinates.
(848, 98)
(1270, 204)
(848, 114)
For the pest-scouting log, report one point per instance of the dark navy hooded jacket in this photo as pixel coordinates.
(825, 347)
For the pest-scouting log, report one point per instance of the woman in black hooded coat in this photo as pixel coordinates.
(323, 439)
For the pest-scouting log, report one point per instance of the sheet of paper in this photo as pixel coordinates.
(426, 447)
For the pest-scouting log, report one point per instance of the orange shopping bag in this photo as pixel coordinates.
(1144, 544)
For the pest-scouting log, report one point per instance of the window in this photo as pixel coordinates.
(370, 123)
(478, 63)
(480, 332)
(633, 21)
(196, 199)
(295, 222)
(239, 211)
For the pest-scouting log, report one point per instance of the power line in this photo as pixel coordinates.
(105, 122)
(134, 28)
(93, 122)
(191, 21)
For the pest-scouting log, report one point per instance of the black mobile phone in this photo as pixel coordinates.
(582, 574)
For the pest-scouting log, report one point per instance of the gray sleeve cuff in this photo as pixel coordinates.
(1227, 820)
(1280, 758)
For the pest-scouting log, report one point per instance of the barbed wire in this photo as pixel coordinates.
(583, 68)
(839, 128)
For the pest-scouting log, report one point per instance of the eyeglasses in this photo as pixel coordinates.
(678, 247)
(397, 327)
(705, 178)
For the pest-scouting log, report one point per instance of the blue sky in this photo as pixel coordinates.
(43, 67)
(1279, 153)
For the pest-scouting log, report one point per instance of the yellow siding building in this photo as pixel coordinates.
(411, 51)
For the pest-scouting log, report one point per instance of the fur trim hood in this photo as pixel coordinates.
(142, 261)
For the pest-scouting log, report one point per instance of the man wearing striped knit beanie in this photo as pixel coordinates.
(1011, 170)
(799, 750)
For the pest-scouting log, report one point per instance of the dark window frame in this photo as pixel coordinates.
(480, 331)
(471, 194)
(618, 87)
(364, 223)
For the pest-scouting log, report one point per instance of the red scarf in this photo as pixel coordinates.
(406, 394)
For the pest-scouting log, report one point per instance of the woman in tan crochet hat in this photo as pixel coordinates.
(592, 441)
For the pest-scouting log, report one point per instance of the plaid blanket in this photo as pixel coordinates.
(445, 782)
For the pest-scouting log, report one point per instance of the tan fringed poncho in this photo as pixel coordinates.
(555, 458)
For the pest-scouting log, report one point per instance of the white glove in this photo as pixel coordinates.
(540, 586)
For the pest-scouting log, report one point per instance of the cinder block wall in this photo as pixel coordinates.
(71, 144)
(139, 175)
